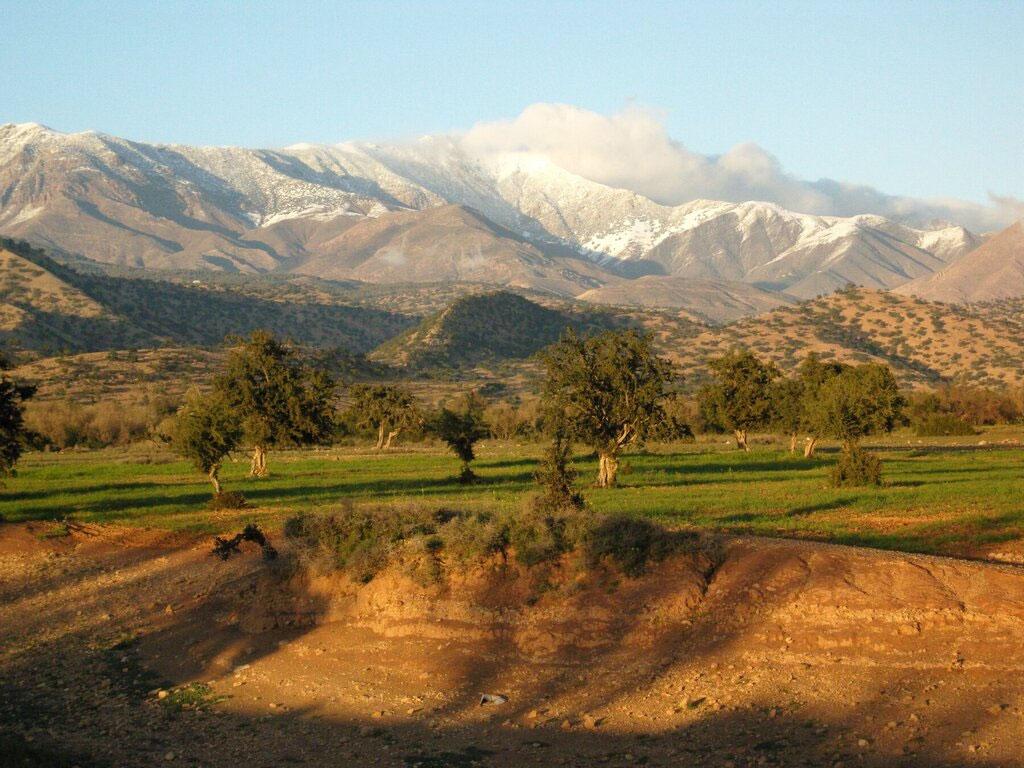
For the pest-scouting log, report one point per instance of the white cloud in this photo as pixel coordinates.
(632, 150)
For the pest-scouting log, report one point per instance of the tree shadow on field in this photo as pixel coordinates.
(76, 684)
(115, 507)
(822, 506)
(413, 488)
(742, 465)
(502, 463)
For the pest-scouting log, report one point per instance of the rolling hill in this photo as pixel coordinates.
(924, 342)
(487, 329)
(47, 308)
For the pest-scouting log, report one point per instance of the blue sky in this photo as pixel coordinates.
(920, 99)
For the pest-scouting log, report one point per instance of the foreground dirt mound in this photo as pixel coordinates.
(784, 653)
(538, 612)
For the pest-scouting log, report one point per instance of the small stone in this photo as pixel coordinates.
(169, 756)
(566, 725)
(161, 694)
(862, 743)
(590, 722)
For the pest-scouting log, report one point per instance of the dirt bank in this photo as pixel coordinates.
(781, 653)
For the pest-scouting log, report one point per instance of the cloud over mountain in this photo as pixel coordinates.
(632, 149)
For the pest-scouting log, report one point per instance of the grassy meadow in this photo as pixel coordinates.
(953, 496)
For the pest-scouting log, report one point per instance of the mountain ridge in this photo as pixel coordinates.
(228, 208)
(994, 270)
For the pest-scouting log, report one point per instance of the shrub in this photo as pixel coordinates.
(227, 500)
(539, 536)
(856, 467)
(942, 425)
(362, 542)
(631, 543)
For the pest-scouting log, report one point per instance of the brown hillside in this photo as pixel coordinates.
(924, 342)
(994, 270)
(715, 301)
(446, 244)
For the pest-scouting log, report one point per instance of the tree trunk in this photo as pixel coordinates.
(258, 466)
(809, 446)
(391, 436)
(741, 439)
(792, 442)
(215, 480)
(380, 436)
(607, 471)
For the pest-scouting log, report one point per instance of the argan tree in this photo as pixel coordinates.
(386, 409)
(813, 373)
(861, 401)
(280, 400)
(609, 390)
(12, 420)
(205, 430)
(788, 409)
(740, 398)
(461, 430)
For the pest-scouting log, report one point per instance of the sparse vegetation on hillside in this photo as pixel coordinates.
(924, 343)
(486, 329)
(83, 312)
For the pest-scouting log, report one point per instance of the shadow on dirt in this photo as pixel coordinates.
(77, 688)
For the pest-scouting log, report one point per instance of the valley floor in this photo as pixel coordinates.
(953, 496)
(789, 653)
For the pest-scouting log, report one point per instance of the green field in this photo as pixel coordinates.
(938, 497)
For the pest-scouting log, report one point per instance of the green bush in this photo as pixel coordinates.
(362, 542)
(942, 425)
(227, 500)
(856, 467)
(631, 543)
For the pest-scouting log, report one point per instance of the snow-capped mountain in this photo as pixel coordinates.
(179, 207)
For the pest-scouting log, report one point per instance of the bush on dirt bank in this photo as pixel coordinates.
(362, 542)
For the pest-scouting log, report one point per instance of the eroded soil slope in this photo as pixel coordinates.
(779, 653)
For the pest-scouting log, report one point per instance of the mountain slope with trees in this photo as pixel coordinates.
(923, 342)
(486, 329)
(47, 308)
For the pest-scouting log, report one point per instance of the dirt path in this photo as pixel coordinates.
(789, 654)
